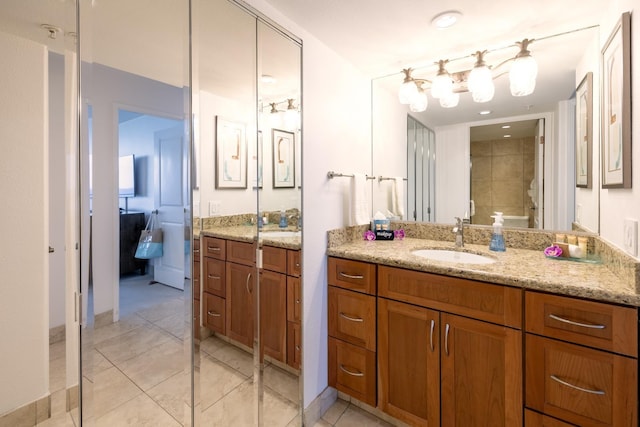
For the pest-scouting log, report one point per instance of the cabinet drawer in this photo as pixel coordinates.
(241, 252)
(580, 385)
(355, 275)
(196, 248)
(352, 317)
(294, 299)
(601, 325)
(293, 263)
(213, 247)
(352, 370)
(274, 259)
(214, 276)
(213, 313)
(483, 301)
(534, 419)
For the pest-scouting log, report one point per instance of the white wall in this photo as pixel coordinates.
(619, 204)
(24, 263)
(587, 211)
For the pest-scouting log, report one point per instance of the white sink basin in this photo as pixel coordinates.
(276, 234)
(453, 256)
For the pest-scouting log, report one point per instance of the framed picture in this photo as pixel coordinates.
(584, 132)
(616, 107)
(283, 159)
(231, 154)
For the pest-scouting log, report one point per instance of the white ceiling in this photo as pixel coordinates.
(148, 37)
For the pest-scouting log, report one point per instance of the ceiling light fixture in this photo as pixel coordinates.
(507, 136)
(266, 78)
(446, 19)
(447, 86)
(52, 30)
(506, 126)
(485, 112)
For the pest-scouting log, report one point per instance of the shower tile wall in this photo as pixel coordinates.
(501, 173)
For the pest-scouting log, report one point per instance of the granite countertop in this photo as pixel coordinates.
(248, 233)
(525, 268)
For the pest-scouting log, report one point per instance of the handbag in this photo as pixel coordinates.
(150, 242)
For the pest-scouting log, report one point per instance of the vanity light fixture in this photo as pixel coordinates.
(291, 113)
(446, 86)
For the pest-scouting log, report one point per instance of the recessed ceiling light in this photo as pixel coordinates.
(507, 136)
(506, 126)
(485, 112)
(446, 19)
(266, 78)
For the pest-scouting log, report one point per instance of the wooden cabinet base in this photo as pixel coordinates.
(352, 370)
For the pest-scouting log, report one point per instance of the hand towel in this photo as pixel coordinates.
(397, 196)
(359, 201)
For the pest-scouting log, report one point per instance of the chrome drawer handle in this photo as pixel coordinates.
(586, 390)
(212, 248)
(446, 340)
(355, 374)
(571, 322)
(247, 284)
(196, 251)
(353, 319)
(211, 313)
(210, 276)
(349, 276)
(433, 324)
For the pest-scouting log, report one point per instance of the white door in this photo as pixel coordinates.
(169, 201)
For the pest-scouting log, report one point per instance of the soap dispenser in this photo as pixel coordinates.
(283, 219)
(497, 239)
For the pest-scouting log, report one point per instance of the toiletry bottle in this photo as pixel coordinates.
(497, 239)
(283, 219)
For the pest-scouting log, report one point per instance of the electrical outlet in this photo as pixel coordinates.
(630, 236)
(214, 207)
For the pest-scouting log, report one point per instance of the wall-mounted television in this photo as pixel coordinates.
(127, 176)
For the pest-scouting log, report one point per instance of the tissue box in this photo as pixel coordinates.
(380, 224)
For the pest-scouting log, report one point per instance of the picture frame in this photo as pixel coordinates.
(616, 106)
(231, 154)
(283, 158)
(584, 132)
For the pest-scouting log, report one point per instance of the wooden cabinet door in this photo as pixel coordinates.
(294, 299)
(481, 373)
(294, 345)
(273, 315)
(409, 363)
(241, 282)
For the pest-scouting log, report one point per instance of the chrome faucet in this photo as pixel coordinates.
(459, 230)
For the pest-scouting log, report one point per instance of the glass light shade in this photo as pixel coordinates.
(450, 101)
(407, 92)
(480, 84)
(441, 86)
(291, 119)
(522, 76)
(419, 102)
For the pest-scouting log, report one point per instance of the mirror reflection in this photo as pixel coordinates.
(247, 204)
(563, 60)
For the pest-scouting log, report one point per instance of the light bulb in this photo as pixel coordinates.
(450, 100)
(442, 84)
(522, 76)
(480, 81)
(408, 89)
(420, 102)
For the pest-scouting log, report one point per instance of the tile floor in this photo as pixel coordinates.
(137, 374)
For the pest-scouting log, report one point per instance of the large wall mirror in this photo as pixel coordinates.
(532, 179)
(247, 211)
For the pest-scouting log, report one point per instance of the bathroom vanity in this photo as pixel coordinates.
(524, 340)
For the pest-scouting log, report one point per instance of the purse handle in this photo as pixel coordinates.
(152, 221)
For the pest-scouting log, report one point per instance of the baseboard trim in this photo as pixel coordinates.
(30, 414)
(319, 406)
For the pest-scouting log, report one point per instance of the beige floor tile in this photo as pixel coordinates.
(93, 363)
(60, 420)
(236, 358)
(120, 327)
(296, 421)
(355, 416)
(174, 395)
(336, 410)
(160, 311)
(278, 411)
(57, 374)
(57, 350)
(212, 344)
(174, 324)
(155, 365)
(217, 380)
(133, 343)
(282, 382)
(141, 411)
(322, 423)
(110, 390)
